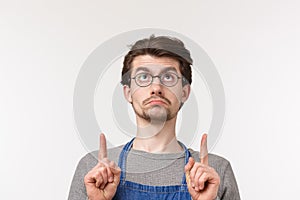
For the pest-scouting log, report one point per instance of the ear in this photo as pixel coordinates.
(127, 93)
(185, 93)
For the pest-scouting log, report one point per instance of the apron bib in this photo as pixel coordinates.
(128, 190)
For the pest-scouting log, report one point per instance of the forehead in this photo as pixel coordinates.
(153, 63)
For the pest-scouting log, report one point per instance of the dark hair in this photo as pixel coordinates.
(160, 46)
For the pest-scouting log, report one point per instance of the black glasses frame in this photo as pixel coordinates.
(157, 76)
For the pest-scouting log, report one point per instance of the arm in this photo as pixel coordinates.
(229, 185)
(77, 189)
(102, 181)
(203, 181)
(91, 178)
(227, 188)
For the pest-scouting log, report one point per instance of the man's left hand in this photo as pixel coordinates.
(202, 180)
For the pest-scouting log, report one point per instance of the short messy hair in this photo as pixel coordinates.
(160, 46)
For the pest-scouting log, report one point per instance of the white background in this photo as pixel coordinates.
(254, 44)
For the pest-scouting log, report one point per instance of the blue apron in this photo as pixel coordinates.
(134, 191)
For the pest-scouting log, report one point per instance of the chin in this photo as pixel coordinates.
(158, 113)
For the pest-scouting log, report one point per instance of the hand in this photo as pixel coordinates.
(102, 181)
(202, 180)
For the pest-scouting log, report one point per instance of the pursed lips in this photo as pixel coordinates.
(156, 101)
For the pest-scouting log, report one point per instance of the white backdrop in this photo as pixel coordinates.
(254, 44)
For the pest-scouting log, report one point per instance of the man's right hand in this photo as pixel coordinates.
(102, 181)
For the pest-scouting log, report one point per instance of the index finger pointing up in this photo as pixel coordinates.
(203, 150)
(102, 149)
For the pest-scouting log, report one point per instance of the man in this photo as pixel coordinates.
(156, 78)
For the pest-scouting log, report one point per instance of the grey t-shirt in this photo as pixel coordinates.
(155, 169)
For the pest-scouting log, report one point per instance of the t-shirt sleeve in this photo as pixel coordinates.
(77, 189)
(229, 185)
(228, 189)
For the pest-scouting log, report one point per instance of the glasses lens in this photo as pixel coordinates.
(143, 79)
(169, 79)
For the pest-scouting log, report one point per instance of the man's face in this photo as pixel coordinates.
(156, 102)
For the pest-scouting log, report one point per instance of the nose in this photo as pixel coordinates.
(156, 87)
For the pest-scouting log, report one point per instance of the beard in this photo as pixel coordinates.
(155, 114)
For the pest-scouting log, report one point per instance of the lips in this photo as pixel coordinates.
(157, 101)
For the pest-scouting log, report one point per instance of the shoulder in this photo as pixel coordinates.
(114, 153)
(219, 163)
(86, 163)
(89, 160)
(228, 187)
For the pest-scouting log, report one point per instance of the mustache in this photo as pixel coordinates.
(156, 98)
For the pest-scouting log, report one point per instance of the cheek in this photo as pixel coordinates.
(175, 95)
(137, 97)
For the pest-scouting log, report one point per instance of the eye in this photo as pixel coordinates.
(168, 77)
(143, 77)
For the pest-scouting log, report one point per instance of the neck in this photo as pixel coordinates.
(156, 137)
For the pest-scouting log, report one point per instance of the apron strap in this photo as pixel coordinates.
(186, 160)
(123, 158)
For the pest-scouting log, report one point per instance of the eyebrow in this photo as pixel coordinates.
(146, 69)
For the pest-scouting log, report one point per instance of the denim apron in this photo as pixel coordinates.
(134, 191)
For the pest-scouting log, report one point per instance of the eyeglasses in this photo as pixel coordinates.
(168, 79)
